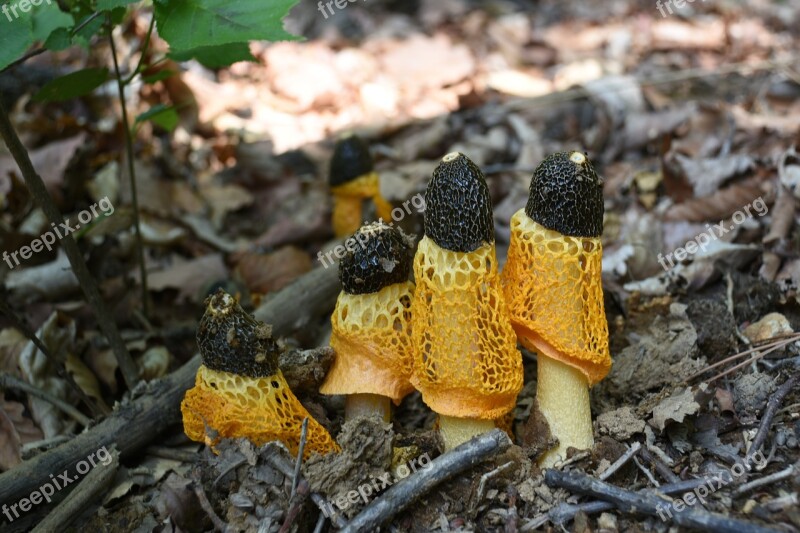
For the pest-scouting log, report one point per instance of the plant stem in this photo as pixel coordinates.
(131, 173)
(42, 197)
(145, 47)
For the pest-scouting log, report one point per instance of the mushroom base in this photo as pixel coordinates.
(347, 203)
(563, 396)
(262, 410)
(455, 431)
(356, 405)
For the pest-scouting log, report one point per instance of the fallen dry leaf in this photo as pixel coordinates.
(265, 273)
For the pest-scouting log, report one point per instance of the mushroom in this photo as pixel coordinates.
(552, 283)
(467, 365)
(352, 180)
(372, 323)
(239, 390)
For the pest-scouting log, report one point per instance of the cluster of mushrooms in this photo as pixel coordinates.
(452, 333)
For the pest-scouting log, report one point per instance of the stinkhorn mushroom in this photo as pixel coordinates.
(467, 365)
(239, 390)
(352, 180)
(372, 323)
(552, 283)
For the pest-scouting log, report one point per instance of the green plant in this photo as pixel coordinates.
(214, 32)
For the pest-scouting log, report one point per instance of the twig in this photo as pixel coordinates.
(300, 449)
(619, 463)
(40, 50)
(39, 192)
(404, 493)
(320, 523)
(769, 413)
(766, 480)
(648, 503)
(487, 476)
(7, 381)
(303, 491)
(90, 487)
(567, 511)
(131, 170)
(646, 472)
(184, 456)
(97, 408)
(219, 523)
(770, 345)
(662, 469)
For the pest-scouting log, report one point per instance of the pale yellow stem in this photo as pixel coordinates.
(356, 405)
(455, 431)
(563, 395)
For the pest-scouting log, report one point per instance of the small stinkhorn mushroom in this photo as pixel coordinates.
(352, 180)
(552, 283)
(239, 390)
(467, 365)
(372, 323)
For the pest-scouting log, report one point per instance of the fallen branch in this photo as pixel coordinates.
(769, 413)
(404, 493)
(135, 424)
(650, 504)
(96, 482)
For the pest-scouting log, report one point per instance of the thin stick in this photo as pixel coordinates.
(7, 381)
(662, 469)
(768, 343)
(769, 413)
(648, 503)
(320, 523)
(646, 472)
(756, 357)
(131, 171)
(300, 449)
(766, 480)
(39, 192)
(219, 524)
(36, 51)
(566, 511)
(619, 463)
(398, 497)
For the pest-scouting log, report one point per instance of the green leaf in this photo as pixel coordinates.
(47, 19)
(60, 39)
(16, 36)
(216, 56)
(190, 24)
(158, 76)
(164, 116)
(105, 5)
(85, 35)
(72, 85)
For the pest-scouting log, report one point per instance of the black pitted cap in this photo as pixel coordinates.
(351, 159)
(458, 208)
(231, 340)
(378, 256)
(566, 195)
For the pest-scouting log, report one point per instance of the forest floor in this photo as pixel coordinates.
(691, 118)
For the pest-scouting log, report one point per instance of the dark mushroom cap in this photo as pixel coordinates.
(377, 256)
(351, 159)
(566, 195)
(458, 208)
(231, 340)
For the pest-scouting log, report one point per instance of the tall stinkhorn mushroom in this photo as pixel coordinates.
(372, 323)
(352, 180)
(467, 365)
(552, 283)
(240, 390)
